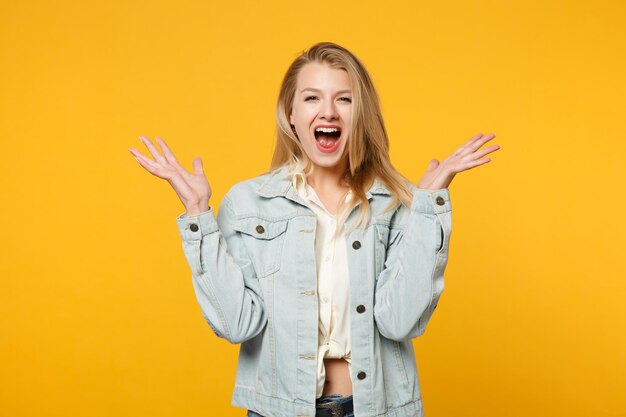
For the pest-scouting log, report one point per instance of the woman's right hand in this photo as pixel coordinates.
(193, 189)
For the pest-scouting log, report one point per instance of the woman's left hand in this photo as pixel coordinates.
(467, 156)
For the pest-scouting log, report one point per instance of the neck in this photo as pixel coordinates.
(327, 178)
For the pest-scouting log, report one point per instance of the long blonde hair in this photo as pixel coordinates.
(368, 146)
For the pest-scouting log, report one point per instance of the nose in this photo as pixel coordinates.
(328, 110)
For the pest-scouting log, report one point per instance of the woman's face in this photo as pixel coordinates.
(322, 113)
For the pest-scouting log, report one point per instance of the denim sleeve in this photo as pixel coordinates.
(411, 282)
(224, 281)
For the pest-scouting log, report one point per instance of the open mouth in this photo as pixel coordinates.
(327, 136)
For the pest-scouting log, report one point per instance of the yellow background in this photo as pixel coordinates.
(97, 312)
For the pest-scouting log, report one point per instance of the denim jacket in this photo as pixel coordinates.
(254, 275)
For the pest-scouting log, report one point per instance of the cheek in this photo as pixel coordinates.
(303, 113)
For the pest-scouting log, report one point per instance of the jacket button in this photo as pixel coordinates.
(193, 227)
(356, 244)
(260, 229)
(360, 308)
(441, 201)
(361, 375)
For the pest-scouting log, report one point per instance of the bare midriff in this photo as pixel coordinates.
(337, 377)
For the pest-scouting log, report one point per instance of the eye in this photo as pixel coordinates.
(309, 97)
(347, 99)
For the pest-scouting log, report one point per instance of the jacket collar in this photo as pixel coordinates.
(279, 183)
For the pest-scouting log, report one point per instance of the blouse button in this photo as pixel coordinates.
(193, 227)
(360, 308)
(441, 201)
(356, 244)
(361, 375)
(260, 229)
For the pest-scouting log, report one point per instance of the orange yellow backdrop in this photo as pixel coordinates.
(97, 311)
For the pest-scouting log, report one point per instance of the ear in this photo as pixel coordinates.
(291, 119)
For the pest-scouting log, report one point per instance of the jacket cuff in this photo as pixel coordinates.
(431, 201)
(194, 227)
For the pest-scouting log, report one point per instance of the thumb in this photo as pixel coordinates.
(197, 166)
(434, 163)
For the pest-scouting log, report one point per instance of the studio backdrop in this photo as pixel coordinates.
(97, 311)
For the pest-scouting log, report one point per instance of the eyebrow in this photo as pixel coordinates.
(316, 90)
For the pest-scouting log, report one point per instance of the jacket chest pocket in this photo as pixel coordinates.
(263, 239)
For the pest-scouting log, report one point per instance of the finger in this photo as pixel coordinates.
(153, 150)
(480, 142)
(197, 166)
(171, 159)
(475, 137)
(134, 151)
(141, 156)
(476, 163)
(169, 155)
(463, 148)
(148, 164)
(485, 151)
(432, 164)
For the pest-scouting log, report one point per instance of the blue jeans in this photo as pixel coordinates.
(321, 400)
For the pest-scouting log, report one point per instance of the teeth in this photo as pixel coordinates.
(326, 129)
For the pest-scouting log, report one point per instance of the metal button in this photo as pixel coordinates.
(356, 244)
(193, 227)
(260, 229)
(440, 200)
(360, 308)
(361, 375)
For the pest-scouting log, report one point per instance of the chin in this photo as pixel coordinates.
(326, 162)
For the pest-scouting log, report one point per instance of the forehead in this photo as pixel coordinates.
(322, 77)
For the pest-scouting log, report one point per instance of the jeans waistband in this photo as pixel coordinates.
(332, 401)
(334, 405)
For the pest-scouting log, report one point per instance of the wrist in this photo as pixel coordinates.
(442, 181)
(197, 209)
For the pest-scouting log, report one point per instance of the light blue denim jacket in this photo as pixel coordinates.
(254, 274)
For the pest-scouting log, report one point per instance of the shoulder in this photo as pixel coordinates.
(246, 187)
(254, 195)
(388, 208)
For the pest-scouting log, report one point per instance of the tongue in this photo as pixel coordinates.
(326, 140)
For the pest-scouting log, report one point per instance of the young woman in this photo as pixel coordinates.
(325, 267)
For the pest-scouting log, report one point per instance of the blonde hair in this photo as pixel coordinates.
(368, 146)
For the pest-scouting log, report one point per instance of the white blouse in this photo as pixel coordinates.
(332, 283)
